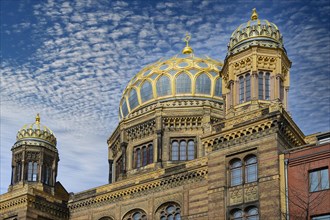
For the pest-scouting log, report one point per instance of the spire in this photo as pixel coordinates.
(187, 49)
(37, 119)
(254, 15)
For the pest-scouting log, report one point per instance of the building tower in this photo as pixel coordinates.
(34, 192)
(256, 68)
(34, 157)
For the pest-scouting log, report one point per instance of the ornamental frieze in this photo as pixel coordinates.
(142, 130)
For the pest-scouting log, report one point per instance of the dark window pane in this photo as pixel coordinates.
(267, 87)
(124, 108)
(138, 158)
(261, 85)
(203, 84)
(146, 91)
(183, 84)
(218, 87)
(183, 150)
(241, 89)
(175, 150)
(132, 99)
(163, 86)
(144, 153)
(248, 87)
(191, 150)
(151, 154)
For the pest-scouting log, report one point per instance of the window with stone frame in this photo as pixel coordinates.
(169, 211)
(136, 214)
(250, 167)
(47, 174)
(18, 172)
(143, 155)
(263, 85)
(32, 171)
(119, 166)
(244, 86)
(183, 149)
(249, 213)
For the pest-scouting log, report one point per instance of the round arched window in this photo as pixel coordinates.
(170, 211)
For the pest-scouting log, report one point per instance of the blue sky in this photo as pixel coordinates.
(71, 60)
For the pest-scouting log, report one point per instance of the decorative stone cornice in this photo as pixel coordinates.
(127, 189)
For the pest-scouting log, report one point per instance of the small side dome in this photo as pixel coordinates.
(255, 32)
(36, 131)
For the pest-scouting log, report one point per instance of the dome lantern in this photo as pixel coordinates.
(187, 49)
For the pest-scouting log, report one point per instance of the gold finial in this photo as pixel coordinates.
(187, 49)
(38, 119)
(254, 15)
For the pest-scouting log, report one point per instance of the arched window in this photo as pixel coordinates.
(203, 84)
(119, 166)
(150, 154)
(281, 88)
(105, 218)
(191, 150)
(138, 158)
(236, 172)
(183, 84)
(244, 88)
(169, 211)
(46, 172)
(218, 87)
(133, 99)
(237, 214)
(252, 213)
(183, 150)
(32, 171)
(136, 214)
(146, 91)
(251, 170)
(124, 108)
(263, 85)
(175, 150)
(18, 172)
(163, 86)
(143, 155)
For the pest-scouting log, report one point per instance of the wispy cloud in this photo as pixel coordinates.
(71, 60)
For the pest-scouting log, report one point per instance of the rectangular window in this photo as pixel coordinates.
(241, 89)
(261, 85)
(323, 217)
(248, 87)
(319, 180)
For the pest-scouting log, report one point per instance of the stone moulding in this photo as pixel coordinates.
(141, 189)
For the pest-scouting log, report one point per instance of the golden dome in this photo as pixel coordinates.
(36, 131)
(255, 32)
(184, 76)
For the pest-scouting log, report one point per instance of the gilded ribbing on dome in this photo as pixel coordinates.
(254, 15)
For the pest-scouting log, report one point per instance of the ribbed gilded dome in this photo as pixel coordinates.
(184, 76)
(36, 131)
(255, 32)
